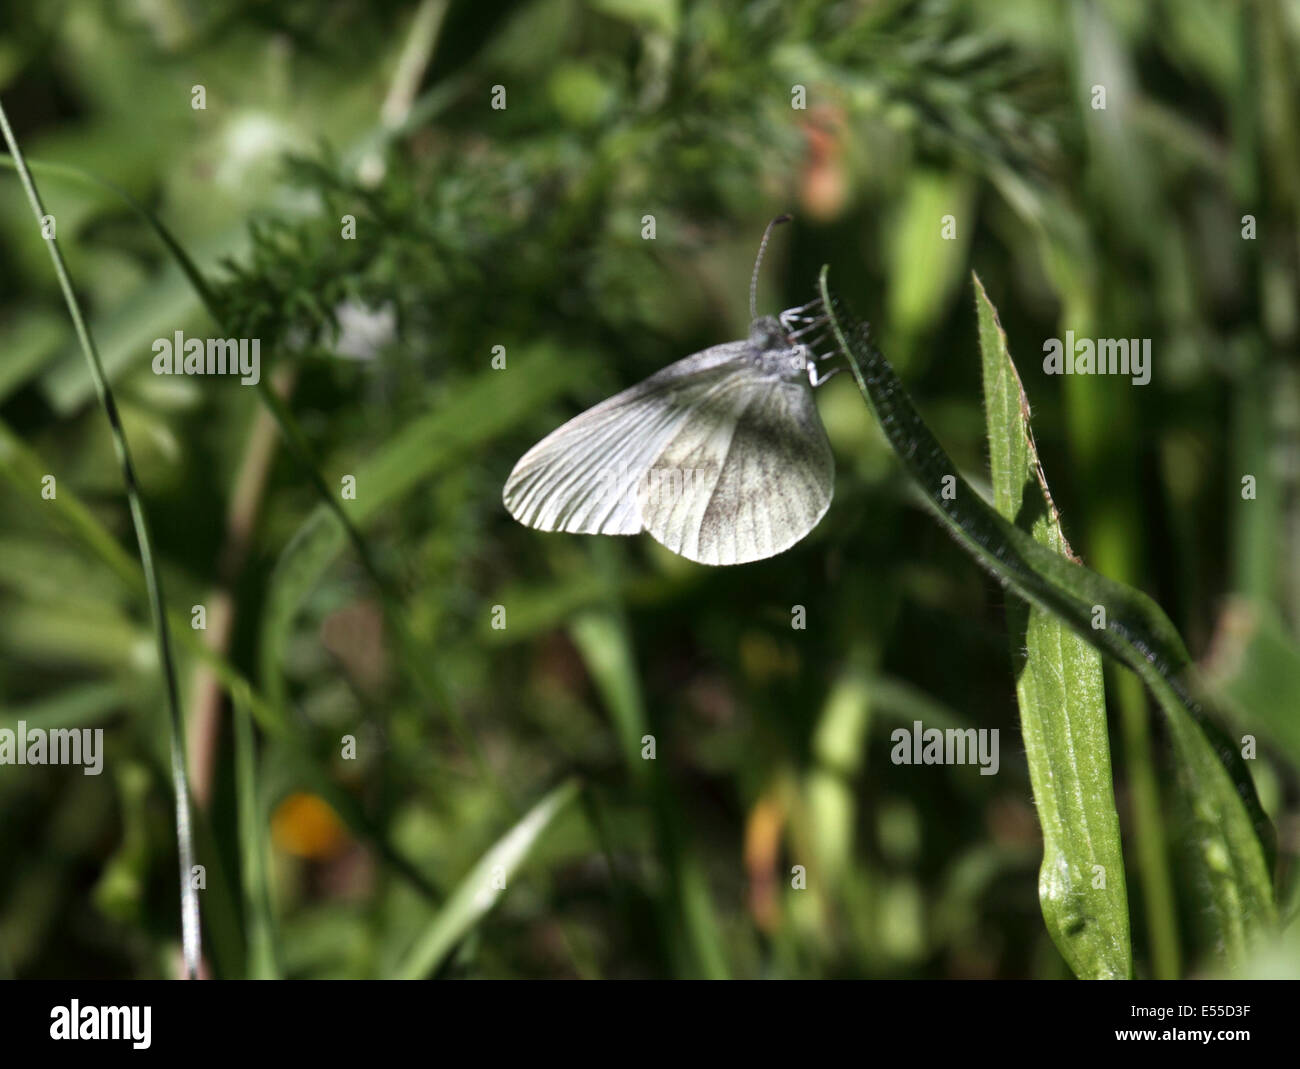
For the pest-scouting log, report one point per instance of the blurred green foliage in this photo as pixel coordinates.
(522, 228)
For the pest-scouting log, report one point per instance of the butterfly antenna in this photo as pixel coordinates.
(758, 262)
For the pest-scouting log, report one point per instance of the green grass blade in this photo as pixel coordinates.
(251, 813)
(78, 706)
(223, 930)
(1062, 697)
(190, 935)
(479, 891)
(601, 638)
(1233, 839)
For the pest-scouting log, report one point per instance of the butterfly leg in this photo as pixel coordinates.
(793, 317)
(810, 326)
(815, 380)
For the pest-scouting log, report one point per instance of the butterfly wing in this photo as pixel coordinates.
(755, 473)
(583, 477)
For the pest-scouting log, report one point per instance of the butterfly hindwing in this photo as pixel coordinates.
(755, 471)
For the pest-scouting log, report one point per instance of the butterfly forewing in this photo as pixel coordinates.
(583, 477)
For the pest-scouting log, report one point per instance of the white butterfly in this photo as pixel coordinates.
(721, 456)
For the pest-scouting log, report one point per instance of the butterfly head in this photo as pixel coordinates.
(767, 334)
(775, 352)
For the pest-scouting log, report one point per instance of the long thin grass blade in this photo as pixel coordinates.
(262, 958)
(484, 885)
(190, 935)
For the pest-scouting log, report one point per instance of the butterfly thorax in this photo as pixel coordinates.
(775, 353)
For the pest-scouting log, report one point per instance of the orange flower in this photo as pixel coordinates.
(305, 826)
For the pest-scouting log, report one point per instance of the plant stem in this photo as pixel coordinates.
(245, 500)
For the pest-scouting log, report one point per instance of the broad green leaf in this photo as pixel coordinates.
(480, 890)
(1232, 839)
(1062, 697)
